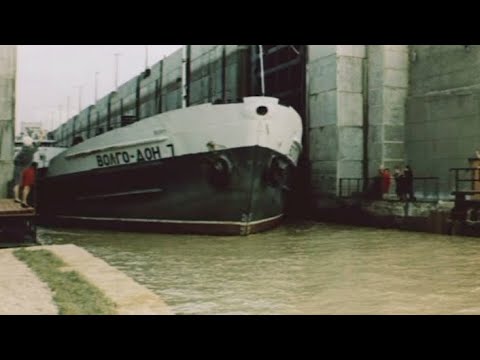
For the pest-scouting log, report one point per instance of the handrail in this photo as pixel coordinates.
(363, 187)
(473, 177)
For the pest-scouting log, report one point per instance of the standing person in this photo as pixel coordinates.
(399, 183)
(386, 181)
(22, 161)
(409, 183)
(28, 181)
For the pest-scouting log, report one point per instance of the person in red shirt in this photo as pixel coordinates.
(23, 160)
(28, 181)
(386, 181)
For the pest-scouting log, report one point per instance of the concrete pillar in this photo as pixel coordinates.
(322, 105)
(350, 114)
(8, 64)
(335, 102)
(387, 94)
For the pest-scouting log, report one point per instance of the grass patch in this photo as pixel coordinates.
(71, 292)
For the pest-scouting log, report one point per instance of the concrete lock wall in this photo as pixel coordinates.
(422, 109)
(8, 69)
(443, 124)
(356, 101)
(206, 73)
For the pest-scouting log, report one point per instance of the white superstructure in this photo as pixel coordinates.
(258, 121)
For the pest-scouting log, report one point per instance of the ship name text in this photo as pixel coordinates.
(148, 153)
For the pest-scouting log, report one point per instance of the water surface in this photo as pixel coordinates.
(299, 268)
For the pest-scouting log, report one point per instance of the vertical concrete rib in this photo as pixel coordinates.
(8, 68)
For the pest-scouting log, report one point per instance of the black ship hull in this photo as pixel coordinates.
(235, 191)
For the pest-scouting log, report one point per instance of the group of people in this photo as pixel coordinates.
(403, 182)
(24, 172)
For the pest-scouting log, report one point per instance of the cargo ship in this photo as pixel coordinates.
(205, 141)
(209, 168)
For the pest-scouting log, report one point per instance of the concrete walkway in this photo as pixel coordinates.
(21, 292)
(130, 297)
